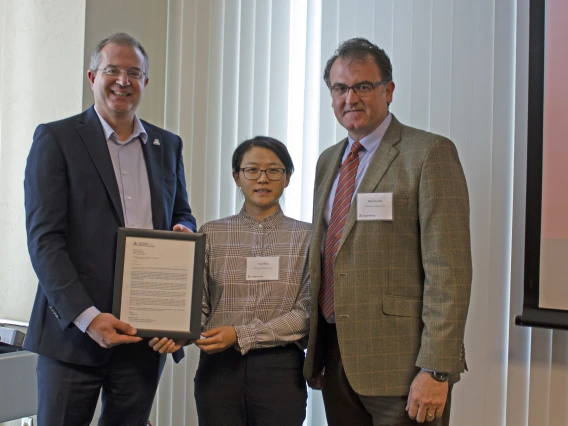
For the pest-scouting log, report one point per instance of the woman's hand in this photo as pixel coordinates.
(217, 339)
(317, 382)
(167, 346)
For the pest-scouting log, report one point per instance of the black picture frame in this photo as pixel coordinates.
(193, 330)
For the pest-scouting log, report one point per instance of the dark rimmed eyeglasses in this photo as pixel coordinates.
(253, 173)
(362, 89)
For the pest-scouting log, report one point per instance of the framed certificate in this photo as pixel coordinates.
(158, 282)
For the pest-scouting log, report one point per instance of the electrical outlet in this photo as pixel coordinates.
(27, 421)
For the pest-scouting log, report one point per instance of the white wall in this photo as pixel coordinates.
(41, 61)
(41, 76)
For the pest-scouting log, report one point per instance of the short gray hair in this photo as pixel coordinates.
(121, 39)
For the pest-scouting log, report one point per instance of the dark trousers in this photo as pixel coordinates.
(264, 387)
(343, 406)
(68, 393)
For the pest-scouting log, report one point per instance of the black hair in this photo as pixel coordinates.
(267, 142)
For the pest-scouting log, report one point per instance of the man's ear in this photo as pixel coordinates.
(389, 90)
(91, 76)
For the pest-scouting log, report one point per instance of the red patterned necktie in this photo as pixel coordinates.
(339, 212)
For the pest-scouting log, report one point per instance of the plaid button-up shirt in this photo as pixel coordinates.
(264, 313)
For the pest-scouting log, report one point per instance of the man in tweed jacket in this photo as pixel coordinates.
(392, 347)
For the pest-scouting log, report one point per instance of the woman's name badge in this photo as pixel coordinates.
(374, 206)
(262, 268)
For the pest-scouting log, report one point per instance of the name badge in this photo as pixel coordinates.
(374, 206)
(262, 268)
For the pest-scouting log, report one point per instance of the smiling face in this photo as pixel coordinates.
(360, 116)
(261, 195)
(117, 98)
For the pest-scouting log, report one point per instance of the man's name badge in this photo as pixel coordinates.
(262, 268)
(374, 206)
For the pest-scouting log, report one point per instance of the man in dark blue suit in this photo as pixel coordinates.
(86, 176)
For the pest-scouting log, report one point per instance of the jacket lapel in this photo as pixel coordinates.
(153, 155)
(324, 181)
(328, 176)
(91, 132)
(384, 156)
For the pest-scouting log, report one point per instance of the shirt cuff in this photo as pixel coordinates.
(246, 338)
(84, 319)
(432, 371)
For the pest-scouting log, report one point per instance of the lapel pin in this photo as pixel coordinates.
(156, 142)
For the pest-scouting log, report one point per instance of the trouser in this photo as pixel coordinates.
(68, 393)
(263, 387)
(343, 406)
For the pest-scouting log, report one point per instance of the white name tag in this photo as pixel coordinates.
(262, 268)
(374, 206)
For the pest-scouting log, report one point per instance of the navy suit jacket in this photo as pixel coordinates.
(73, 212)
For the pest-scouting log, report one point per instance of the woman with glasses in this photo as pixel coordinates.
(256, 300)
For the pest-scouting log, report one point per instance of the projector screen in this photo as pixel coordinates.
(554, 232)
(546, 230)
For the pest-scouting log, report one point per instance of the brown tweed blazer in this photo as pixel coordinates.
(402, 287)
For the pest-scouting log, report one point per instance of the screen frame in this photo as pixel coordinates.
(533, 315)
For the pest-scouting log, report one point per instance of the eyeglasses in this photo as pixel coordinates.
(112, 71)
(362, 89)
(252, 173)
